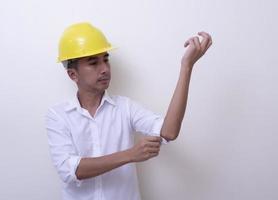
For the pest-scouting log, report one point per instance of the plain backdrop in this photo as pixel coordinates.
(227, 149)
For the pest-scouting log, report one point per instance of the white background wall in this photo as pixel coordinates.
(228, 146)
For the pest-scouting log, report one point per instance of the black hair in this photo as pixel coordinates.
(71, 64)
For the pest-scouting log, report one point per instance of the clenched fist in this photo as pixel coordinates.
(196, 49)
(146, 148)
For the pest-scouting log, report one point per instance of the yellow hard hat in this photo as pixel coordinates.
(80, 40)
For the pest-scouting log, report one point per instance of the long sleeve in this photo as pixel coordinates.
(63, 154)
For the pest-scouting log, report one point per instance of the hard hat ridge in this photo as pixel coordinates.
(80, 40)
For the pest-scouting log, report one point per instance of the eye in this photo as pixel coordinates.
(106, 60)
(93, 63)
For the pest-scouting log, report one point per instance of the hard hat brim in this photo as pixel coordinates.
(86, 54)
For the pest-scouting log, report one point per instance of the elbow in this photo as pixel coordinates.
(169, 137)
(80, 176)
(170, 132)
(84, 174)
(172, 138)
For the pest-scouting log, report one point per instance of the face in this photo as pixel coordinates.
(92, 73)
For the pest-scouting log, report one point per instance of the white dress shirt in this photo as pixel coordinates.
(73, 133)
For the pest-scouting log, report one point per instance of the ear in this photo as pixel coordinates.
(72, 73)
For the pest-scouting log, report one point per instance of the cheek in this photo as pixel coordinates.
(89, 77)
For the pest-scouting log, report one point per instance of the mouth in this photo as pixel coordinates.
(104, 80)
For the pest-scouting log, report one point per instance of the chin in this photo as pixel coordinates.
(104, 87)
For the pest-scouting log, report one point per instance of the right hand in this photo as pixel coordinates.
(146, 148)
(196, 49)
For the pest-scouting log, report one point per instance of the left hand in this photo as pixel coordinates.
(196, 49)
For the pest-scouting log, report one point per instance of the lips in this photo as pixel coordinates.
(103, 79)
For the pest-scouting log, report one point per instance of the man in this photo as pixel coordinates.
(91, 137)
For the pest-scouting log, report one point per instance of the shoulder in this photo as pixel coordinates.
(59, 108)
(120, 100)
(122, 103)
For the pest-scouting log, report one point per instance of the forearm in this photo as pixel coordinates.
(91, 167)
(175, 113)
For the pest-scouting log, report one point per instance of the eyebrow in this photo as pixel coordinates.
(95, 57)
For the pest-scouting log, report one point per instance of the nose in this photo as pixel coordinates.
(105, 68)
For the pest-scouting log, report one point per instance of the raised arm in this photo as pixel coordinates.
(175, 113)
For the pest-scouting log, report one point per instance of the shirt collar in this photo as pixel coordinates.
(75, 104)
(107, 97)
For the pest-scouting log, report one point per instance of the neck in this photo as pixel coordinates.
(90, 100)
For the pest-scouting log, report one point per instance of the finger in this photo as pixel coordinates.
(204, 34)
(153, 150)
(204, 43)
(153, 138)
(197, 42)
(187, 42)
(153, 144)
(153, 155)
(210, 43)
(207, 39)
(191, 43)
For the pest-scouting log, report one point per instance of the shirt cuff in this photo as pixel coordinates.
(164, 141)
(73, 164)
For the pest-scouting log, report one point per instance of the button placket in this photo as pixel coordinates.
(98, 139)
(94, 139)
